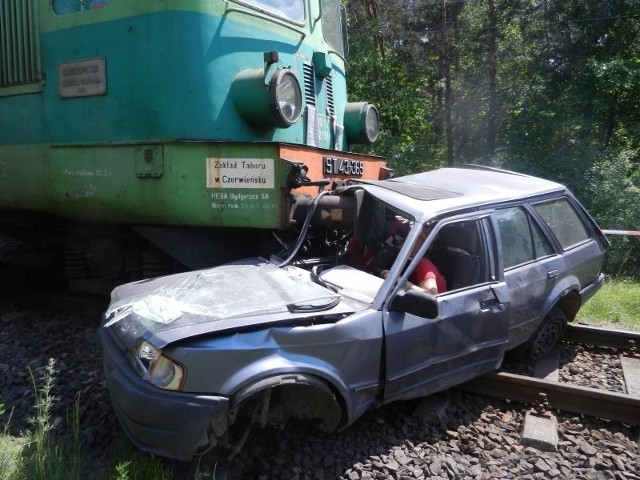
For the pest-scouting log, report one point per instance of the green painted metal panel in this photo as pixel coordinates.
(234, 185)
(169, 76)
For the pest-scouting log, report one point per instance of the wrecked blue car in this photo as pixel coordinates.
(196, 360)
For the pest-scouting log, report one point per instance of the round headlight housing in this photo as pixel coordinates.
(286, 98)
(361, 122)
(267, 103)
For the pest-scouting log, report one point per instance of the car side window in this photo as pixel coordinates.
(522, 240)
(460, 253)
(541, 243)
(564, 222)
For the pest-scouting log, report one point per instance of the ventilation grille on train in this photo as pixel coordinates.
(309, 85)
(19, 49)
(329, 86)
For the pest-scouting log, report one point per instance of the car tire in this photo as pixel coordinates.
(544, 339)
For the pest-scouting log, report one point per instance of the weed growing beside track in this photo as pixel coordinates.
(39, 456)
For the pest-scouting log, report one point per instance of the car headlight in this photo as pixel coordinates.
(361, 122)
(268, 102)
(156, 368)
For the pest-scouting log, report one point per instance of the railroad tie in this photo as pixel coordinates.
(631, 371)
(630, 361)
(540, 425)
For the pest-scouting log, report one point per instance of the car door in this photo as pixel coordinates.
(531, 269)
(467, 337)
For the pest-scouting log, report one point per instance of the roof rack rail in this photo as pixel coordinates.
(475, 166)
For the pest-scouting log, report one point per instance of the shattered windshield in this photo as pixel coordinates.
(290, 9)
(225, 292)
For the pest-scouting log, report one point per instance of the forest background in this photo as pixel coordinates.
(545, 87)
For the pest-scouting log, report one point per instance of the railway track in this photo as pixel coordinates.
(595, 402)
(601, 337)
(591, 401)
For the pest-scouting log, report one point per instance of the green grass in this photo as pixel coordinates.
(616, 305)
(37, 455)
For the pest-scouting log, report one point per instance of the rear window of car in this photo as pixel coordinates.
(564, 222)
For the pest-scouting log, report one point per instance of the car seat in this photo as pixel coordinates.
(457, 255)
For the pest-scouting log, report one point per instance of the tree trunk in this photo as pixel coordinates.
(447, 88)
(372, 11)
(492, 60)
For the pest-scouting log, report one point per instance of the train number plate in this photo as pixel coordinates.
(343, 166)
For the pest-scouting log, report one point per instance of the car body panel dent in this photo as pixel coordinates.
(346, 354)
(423, 355)
(248, 293)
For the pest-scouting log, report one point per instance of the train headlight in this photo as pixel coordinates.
(361, 122)
(275, 101)
(156, 368)
(286, 100)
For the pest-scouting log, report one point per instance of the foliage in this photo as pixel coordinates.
(42, 446)
(546, 88)
(614, 196)
(38, 455)
(11, 457)
(142, 468)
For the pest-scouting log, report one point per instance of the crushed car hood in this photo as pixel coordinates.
(239, 295)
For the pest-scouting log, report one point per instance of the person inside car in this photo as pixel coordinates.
(426, 274)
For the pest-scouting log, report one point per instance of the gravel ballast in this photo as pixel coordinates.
(450, 435)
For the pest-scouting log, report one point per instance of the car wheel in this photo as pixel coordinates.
(548, 334)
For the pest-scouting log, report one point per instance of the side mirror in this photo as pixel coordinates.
(416, 302)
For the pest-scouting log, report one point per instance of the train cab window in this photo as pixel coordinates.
(290, 9)
(64, 7)
(333, 25)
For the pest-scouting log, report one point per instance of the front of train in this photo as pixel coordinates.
(195, 127)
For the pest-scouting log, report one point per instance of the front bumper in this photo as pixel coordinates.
(166, 423)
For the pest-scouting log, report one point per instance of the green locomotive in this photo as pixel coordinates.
(138, 138)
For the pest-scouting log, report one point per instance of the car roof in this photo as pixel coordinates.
(424, 195)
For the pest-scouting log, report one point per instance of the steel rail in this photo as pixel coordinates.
(588, 401)
(600, 337)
